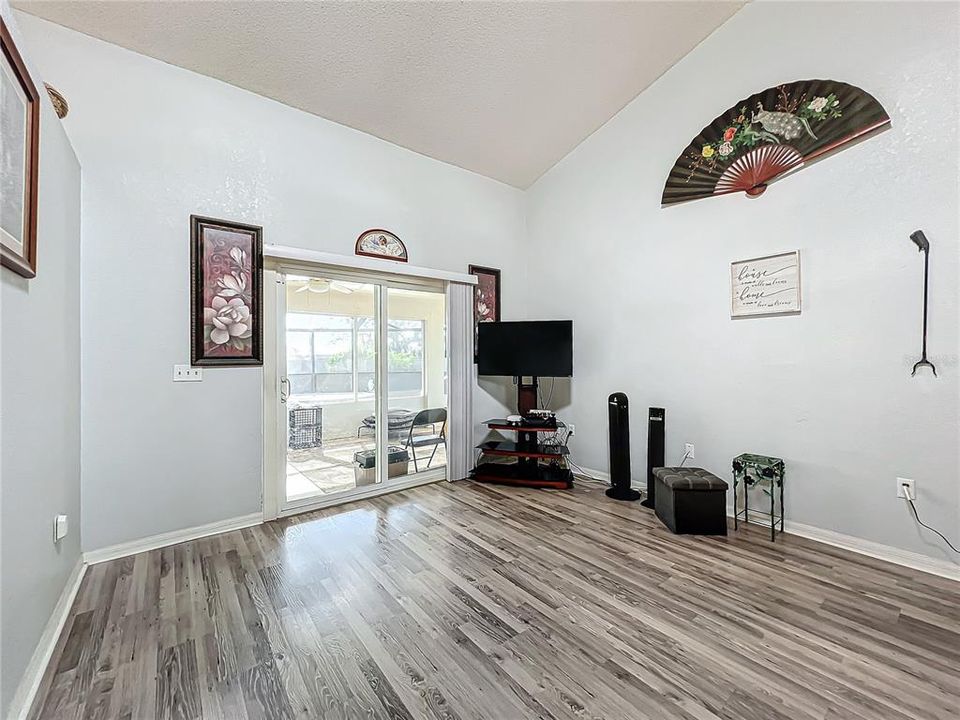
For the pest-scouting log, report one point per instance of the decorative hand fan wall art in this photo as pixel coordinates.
(770, 134)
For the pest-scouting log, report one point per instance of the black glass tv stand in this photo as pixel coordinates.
(525, 461)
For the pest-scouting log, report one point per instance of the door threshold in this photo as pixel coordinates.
(364, 493)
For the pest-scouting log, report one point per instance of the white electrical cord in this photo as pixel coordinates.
(686, 455)
(555, 440)
(582, 471)
(546, 405)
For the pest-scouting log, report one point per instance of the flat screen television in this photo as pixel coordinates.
(541, 348)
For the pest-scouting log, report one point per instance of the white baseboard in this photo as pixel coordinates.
(174, 537)
(596, 474)
(943, 568)
(26, 692)
(916, 561)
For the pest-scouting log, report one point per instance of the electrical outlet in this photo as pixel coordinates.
(60, 528)
(185, 373)
(908, 492)
(689, 451)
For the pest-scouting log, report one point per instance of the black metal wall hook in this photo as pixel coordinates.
(920, 240)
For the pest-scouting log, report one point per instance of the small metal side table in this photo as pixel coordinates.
(760, 470)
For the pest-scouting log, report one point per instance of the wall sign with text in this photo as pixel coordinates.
(766, 286)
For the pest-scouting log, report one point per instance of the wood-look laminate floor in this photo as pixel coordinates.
(472, 601)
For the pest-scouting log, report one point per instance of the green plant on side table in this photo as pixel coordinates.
(761, 471)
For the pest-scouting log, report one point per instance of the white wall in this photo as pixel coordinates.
(829, 391)
(159, 143)
(40, 396)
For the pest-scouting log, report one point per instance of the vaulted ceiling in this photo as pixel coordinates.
(505, 89)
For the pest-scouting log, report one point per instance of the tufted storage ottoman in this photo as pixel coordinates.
(691, 500)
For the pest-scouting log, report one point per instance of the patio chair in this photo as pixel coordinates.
(398, 420)
(432, 417)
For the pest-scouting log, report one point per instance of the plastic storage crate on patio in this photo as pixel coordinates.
(306, 427)
(365, 471)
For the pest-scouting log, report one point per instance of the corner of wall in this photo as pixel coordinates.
(40, 396)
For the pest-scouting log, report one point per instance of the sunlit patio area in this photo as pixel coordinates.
(333, 467)
(331, 363)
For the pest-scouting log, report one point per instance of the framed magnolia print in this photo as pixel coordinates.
(226, 295)
(486, 298)
(766, 286)
(19, 160)
(381, 244)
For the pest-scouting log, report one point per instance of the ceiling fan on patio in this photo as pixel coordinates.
(322, 285)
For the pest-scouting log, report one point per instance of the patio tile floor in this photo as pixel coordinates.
(330, 469)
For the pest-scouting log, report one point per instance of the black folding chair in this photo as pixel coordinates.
(432, 417)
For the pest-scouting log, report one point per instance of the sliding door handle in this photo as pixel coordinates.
(284, 390)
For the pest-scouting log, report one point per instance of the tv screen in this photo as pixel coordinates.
(542, 348)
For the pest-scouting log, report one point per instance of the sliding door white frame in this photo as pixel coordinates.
(380, 390)
(275, 423)
(270, 490)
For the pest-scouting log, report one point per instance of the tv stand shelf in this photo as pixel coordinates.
(502, 424)
(514, 449)
(535, 464)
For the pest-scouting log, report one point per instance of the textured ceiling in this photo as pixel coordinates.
(503, 89)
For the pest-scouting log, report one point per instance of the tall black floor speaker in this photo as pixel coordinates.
(656, 422)
(618, 409)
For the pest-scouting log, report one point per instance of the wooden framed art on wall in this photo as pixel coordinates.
(380, 243)
(226, 293)
(486, 298)
(19, 160)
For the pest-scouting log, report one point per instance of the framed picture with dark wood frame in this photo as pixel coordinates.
(379, 243)
(19, 160)
(226, 293)
(486, 298)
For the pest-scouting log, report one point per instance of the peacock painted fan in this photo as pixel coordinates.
(770, 134)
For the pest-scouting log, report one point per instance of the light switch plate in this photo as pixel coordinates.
(60, 528)
(186, 373)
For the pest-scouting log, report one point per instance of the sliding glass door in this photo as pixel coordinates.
(362, 386)
(329, 389)
(416, 380)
